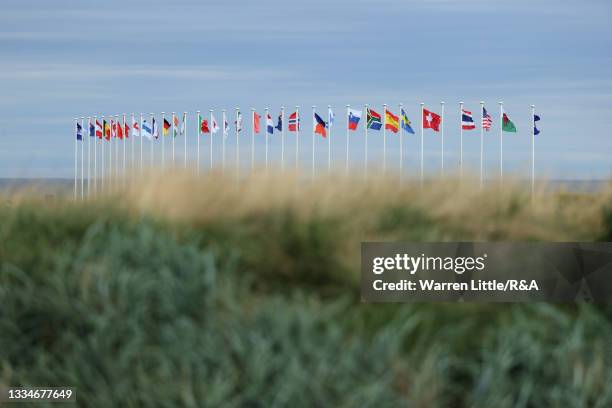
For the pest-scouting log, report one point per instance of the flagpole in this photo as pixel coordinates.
(110, 155)
(481, 144)
(401, 167)
(442, 142)
(163, 138)
(153, 138)
(501, 143)
(267, 114)
(95, 178)
(282, 138)
(123, 143)
(198, 120)
(89, 155)
(422, 150)
(102, 159)
(141, 137)
(252, 139)
(116, 162)
(365, 161)
(384, 138)
(211, 138)
(223, 134)
(461, 141)
(237, 147)
(348, 108)
(82, 157)
(297, 138)
(329, 120)
(173, 139)
(76, 123)
(313, 143)
(133, 160)
(532, 149)
(184, 127)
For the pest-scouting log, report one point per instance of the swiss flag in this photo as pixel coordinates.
(431, 120)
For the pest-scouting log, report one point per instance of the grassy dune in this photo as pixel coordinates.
(199, 292)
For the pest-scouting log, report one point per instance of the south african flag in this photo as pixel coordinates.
(374, 120)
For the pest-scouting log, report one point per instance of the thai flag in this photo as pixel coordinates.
(353, 118)
(269, 124)
(467, 122)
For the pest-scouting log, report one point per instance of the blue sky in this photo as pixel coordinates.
(63, 59)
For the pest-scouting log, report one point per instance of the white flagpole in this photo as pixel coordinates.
(116, 162)
(163, 138)
(365, 161)
(481, 144)
(211, 137)
(461, 141)
(123, 142)
(252, 139)
(141, 138)
(237, 146)
(133, 143)
(184, 126)
(348, 108)
(173, 140)
(297, 139)
(329, 126)
(198, 133)
(283, 138)
(532, 149)
(153, 138)
(313, 143)
(223, 137)
(82, 157)
(501, 143)
(95, 175)
(401, 146)
(442, 142)
(266, 133)
(89, 156)
(110, 156)
(384, 138)
(102, 159)
(76, 122)
(422, 149)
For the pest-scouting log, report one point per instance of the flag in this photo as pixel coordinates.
(126, 130)
(330, 117)
(183, 125)
(391, 121)
(269, 124)
(215, 127)
(79, 131)
(467, 122)
(99, 131)
(374, 119)
(166, 127)
(507, 125)
(155, 130)
(431, 120)
(320, 125)
(113, 127)
(279, 125)
(225, 129)
(135, 129)
(238, 122)
(107, 130)
(146, 130)
(406, 123)
(353, 118)
(92, 130)
(256, 119)
(176, 126)
(536, 131)
(119, 130)
(486, 120)
(294, 122)
(203, 125)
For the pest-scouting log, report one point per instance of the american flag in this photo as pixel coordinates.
(486, 120)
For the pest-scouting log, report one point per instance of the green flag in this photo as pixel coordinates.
(507, 125)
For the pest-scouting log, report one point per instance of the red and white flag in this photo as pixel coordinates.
(256, 119)
(431, 120)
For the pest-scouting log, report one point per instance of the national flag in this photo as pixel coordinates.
(507, 125)
(330, 117)
(79, 131)
(238, 122)
(391, 121)
(256, 119)
(431, 120)
(467, 121)
(126, 130)
(406, 123)
(135, 129)
(146, 130)
(215, 127)
(107, 130)
(183, 124)
(486, 120)
(176, 128)
(155, 130)
(353, 118)
(294, 122)
(92, 130)
(203, 125)
(99, 131)
(166, 127)
(536, 131)
(119, 130)
(320, 125)
(269, 124)
(225, 129)
(113, 127)
(279, 125)
(374, 119)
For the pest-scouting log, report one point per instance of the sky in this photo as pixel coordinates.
(65, 59)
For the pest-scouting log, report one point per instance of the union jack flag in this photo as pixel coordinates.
(486, 120)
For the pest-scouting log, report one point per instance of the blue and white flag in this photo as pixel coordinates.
(330, 117)
(536, 131)
(155, 131)
(92, 130)
(79, 131)
(146, 130)
(269, 124)
(279, 125)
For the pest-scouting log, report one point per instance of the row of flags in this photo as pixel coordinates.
(430, 120)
